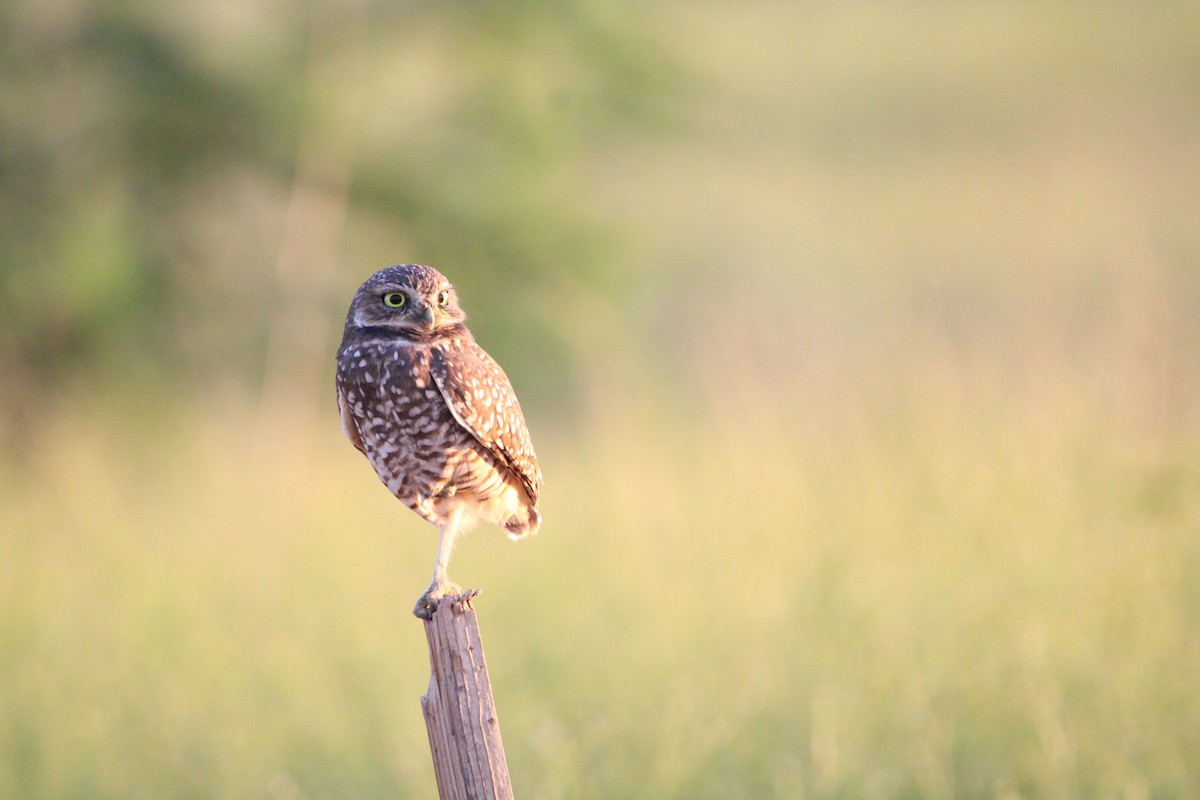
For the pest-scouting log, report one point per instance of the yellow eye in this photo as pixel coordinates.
(394, 300)
(443, 298)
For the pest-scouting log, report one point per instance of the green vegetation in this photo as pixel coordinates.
(858, 342)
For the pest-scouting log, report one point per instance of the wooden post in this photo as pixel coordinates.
(460, 716)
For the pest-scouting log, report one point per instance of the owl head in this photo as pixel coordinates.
(410, 299)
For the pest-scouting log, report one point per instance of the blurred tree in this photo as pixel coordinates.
(170, 178)
(105, 127)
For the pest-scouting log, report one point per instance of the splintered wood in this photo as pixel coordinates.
(460, 716)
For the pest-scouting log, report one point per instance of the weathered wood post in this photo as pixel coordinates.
(460, 716)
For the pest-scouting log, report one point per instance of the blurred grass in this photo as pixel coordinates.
(872, 442)
(885, 598)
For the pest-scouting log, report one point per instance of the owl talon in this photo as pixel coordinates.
(428, 602)
(425, 607)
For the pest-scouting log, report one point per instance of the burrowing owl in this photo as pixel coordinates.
(434, 413)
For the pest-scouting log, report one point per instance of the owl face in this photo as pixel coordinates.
(409, 299)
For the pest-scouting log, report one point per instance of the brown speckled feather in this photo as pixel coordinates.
(482, 400)
(349, 426)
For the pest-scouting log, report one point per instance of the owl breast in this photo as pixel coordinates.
(418, 449)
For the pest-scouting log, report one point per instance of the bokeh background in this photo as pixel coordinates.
(860, 343)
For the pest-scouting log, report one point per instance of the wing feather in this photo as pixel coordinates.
(349, 426)
(481, 398)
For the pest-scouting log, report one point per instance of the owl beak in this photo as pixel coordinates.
(427, 315)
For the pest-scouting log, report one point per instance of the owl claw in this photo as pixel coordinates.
(425, 607)
(428, 602)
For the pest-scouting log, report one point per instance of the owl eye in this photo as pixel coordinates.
(394, 299)
(443, 298)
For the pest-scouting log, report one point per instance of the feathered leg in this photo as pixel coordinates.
(441, 585)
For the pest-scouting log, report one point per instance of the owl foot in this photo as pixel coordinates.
(428, 602)
(518, 527)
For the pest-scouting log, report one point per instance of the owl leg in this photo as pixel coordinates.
(441, 586)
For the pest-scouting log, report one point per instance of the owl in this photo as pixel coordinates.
(434, 414)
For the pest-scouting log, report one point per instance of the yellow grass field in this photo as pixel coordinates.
(937, 585)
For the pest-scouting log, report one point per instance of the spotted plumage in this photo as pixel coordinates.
(434, 414)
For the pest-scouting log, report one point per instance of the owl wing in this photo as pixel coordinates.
(482, 400)
(349, 426)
